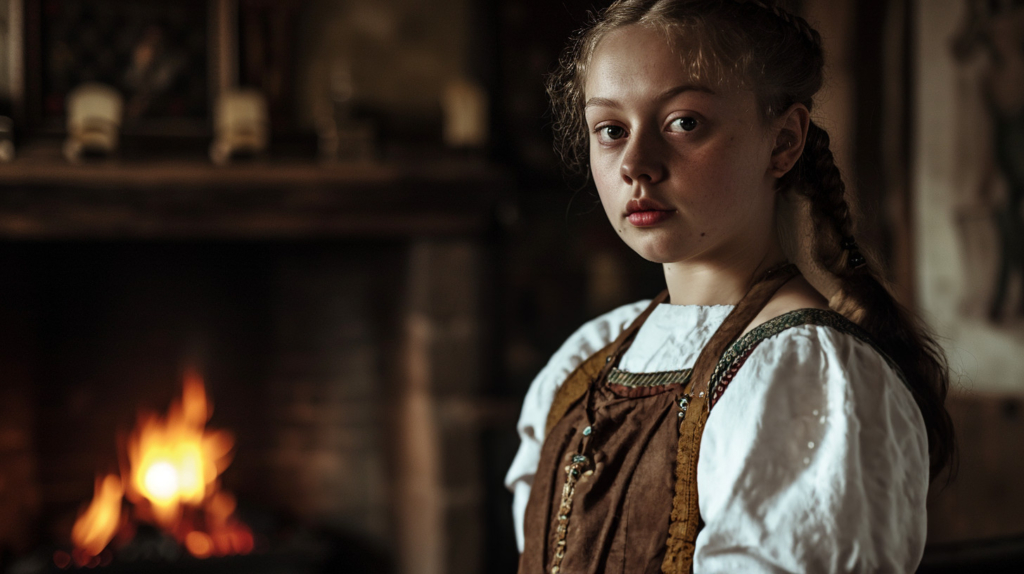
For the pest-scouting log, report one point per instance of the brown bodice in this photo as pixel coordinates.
(605, 498)
(623, 496)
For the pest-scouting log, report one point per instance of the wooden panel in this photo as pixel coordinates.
(984, 500)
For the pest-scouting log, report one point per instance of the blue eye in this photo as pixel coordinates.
(686, 124)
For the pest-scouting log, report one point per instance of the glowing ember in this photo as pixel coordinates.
(174, 463)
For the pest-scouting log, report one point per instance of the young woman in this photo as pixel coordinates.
(775, 409)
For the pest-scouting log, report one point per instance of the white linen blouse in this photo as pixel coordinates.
(815, 459)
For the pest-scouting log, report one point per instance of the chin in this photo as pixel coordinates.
(658, 258)
(656, 251)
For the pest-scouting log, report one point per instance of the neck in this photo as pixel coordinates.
(720, 281)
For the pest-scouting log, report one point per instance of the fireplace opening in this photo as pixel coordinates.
(297, 344)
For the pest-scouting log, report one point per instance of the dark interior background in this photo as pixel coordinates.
(366, 330)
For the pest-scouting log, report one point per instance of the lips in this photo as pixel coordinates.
(645, 212)
(648, 218)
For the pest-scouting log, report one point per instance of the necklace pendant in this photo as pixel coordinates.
(572, 475)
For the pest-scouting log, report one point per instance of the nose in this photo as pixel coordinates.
(642, 160)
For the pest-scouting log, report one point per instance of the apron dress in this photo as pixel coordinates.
(605, 498)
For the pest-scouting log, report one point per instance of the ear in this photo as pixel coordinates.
(790, 131)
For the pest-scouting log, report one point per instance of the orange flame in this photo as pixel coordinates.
(174, 463)
(97, 525)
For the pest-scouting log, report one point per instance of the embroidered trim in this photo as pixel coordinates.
(716, 392)
(572, 474)
(736, 355)
(658, 379)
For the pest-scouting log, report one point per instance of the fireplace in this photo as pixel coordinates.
(334, 314)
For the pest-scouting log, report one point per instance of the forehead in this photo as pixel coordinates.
(636, 48)
(643, 60)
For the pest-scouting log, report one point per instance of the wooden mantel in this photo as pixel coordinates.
(52, 199)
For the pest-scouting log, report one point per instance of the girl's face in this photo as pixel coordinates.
(682, 168)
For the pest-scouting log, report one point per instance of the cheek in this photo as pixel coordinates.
(737, 168)
(720, 191)
(712, 175)
(606, 178)
(602, 163)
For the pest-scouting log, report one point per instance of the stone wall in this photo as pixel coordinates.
(19, 492)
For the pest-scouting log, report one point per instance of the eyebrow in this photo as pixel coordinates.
(667, 94)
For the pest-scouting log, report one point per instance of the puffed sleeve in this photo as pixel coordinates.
(815, 459)
(587, 340)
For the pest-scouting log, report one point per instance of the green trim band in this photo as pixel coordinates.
(797, 318)
(658, 379)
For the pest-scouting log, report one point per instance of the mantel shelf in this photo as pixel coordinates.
(163, 174)
(182, 199)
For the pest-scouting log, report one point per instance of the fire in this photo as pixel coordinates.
(172, 481)
(96, 526)
(175, 461)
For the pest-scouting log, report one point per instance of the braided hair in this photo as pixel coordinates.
(758, 45)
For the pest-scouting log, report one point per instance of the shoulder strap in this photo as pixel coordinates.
(737, 320)
(596, 367)
(684, 522)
